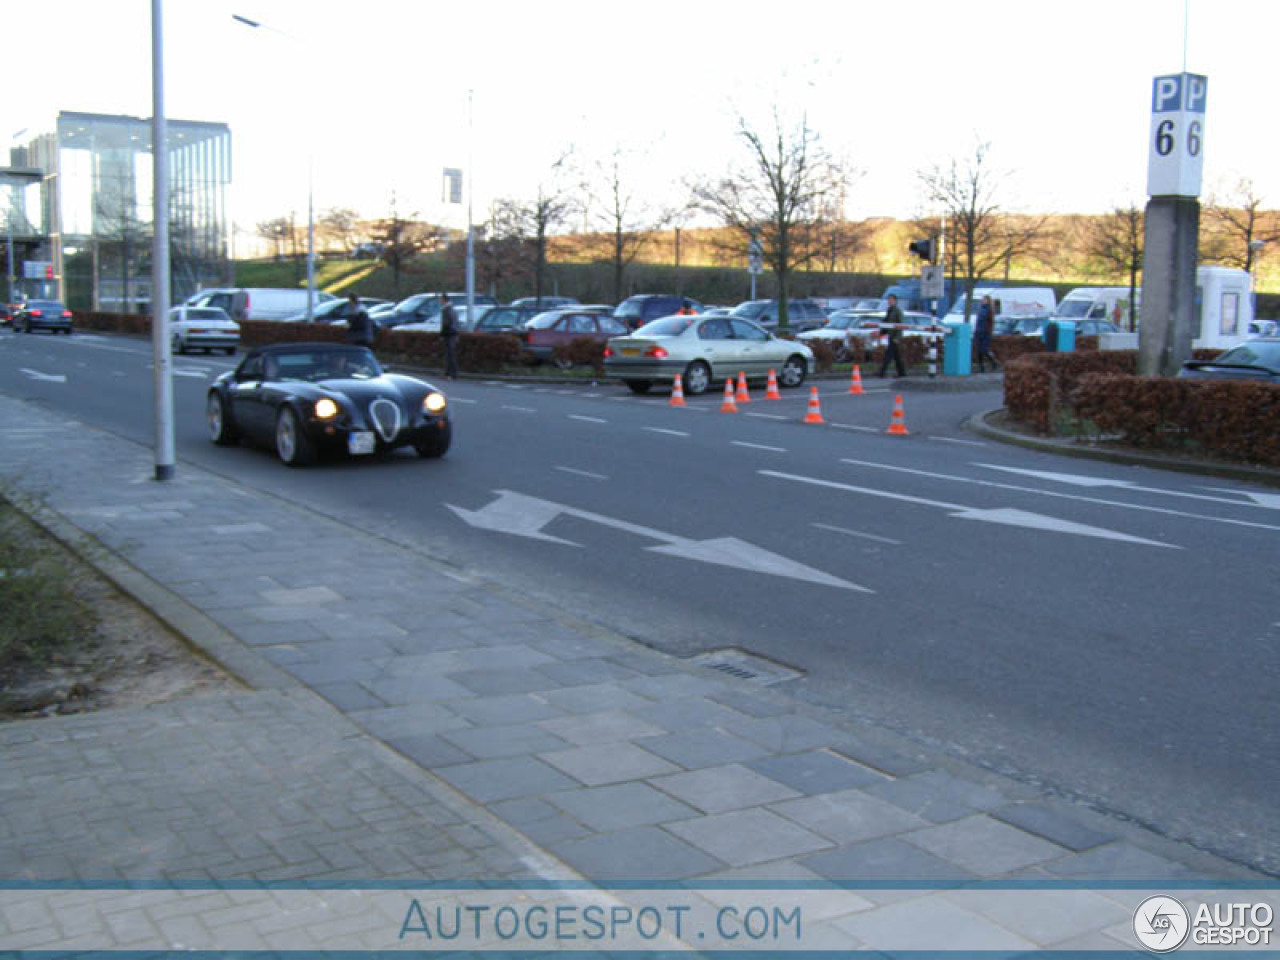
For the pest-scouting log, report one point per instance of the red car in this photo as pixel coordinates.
(558, 328)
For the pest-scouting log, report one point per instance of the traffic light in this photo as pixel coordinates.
(48, 272)
(926, 250)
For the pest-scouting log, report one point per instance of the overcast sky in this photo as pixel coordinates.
(377, 91)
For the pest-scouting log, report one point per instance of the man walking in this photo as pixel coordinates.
(449, 334)
(984, 328)
(359, 325)
(893, 320)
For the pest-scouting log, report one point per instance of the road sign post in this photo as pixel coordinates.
(755, 262)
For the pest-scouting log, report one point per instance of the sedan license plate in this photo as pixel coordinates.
(361, 443)
(631, 351)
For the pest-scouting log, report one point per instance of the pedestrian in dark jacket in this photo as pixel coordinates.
(449, 334)
(983, 330)
(359, 325)
(893, 320)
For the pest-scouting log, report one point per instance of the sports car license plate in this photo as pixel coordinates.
(362, 442)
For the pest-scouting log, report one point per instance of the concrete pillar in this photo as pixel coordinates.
(1170, 257)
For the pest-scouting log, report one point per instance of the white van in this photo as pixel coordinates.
(257, 303)
(1007, 301)
(1097, 303)
(1224, 312)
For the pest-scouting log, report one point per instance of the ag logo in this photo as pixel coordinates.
(1161, 924)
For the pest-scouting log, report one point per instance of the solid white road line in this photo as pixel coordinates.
(670, 433)
(575, 416)
(758, 446)
(582, 473)
(856, 533)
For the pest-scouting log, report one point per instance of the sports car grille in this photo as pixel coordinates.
(386, 418)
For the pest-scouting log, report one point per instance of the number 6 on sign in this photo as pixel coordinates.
(1177, 135)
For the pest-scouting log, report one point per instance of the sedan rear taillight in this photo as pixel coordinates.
(66, 314)
(658, 353)
(608, 351)
(37, 313)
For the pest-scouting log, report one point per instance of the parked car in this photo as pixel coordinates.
(636, 311)
(422, 307)
(336, 309)
(508, 319)
(1257, 359)
(559, 328)
(304, 398)
(842, 328)
(7, 313)
(545, 303)
(203, 328)
(35, 315)
(802, 314)
(704, 351)
(257, 303)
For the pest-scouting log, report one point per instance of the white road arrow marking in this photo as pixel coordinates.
(1039, 491)
(525, 516)
(46, 377)
(1269, 500)
(1007, 516)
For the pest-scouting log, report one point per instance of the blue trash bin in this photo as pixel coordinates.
(957, 350)
(1060, 336)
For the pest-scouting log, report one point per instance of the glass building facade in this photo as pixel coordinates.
(98, 190)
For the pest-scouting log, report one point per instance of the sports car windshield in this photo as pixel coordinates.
(348, 363)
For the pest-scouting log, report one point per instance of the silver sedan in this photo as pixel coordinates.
(704, 351)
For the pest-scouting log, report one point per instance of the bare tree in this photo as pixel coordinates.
(339, 227)
(621, 214)
(526, 228)
(782, 194)
(981, 238)
(1238, 227)
(123, 240)
(401, 239)
(1113, 244)
(275, 232)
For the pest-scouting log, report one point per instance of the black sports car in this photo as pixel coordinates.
(1257, 359)
(306, 397)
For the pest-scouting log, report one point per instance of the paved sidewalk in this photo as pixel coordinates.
(522, 744)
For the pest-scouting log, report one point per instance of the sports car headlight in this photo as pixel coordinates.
(326, 409)
(434, 403)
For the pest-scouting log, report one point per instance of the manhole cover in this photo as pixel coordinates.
(742, 665)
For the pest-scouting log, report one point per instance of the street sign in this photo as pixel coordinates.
(755, 257)
(1177, 135)
(37, 269)
(452, 185)
(931, 281)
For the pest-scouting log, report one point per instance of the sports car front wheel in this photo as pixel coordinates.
(293, 446)
(436, 443)
(218, 416)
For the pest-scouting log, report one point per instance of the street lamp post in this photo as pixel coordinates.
(311, 219)
(164, 454)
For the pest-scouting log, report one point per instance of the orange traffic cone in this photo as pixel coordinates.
(677, 393)
(771, 391)
(743, 396)
(898, 425)
(728, 406)
(855, 382)
(815, 411)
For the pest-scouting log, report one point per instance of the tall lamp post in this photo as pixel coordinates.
(164, 455)
(311, 218)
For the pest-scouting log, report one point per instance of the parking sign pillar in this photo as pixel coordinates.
(1171, 243)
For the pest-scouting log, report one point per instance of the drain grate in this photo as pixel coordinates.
(742, 665)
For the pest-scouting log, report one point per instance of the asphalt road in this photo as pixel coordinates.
(1108, 632)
